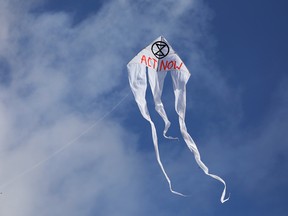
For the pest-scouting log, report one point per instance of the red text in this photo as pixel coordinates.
(150, 62)
(168, 65)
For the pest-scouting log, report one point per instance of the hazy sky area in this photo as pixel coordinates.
(72, 139)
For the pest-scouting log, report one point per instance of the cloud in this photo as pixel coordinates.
(62, 78)
(266, 144)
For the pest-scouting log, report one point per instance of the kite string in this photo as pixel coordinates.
(27, 171)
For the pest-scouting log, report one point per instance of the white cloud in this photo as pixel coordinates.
(57, 71)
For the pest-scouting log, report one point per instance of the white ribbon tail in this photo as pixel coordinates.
(155, 142)
(193, 148)
(160, 109)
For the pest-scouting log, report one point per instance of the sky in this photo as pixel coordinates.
(72, 139)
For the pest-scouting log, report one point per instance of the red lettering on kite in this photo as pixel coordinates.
(178, 67)
(154, 61)
(143, 59)
(169, 65)
(162, 65)
(149, 62)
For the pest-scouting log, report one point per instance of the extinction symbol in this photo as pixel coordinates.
(160, 49)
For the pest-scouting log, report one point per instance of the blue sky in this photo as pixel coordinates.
(63, 68)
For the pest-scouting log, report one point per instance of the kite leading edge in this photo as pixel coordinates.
(158, 58)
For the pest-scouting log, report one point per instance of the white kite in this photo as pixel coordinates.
(156, 60)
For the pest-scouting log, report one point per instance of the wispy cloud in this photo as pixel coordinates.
(57, 78)
(61, 78)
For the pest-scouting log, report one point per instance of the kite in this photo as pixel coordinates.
(156, 60)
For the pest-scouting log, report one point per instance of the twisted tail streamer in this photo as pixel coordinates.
(157, 59)
(138, 83)
(68, 144)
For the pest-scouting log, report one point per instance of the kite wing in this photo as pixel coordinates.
(156, 60)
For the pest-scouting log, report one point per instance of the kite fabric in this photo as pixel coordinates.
(156, 60)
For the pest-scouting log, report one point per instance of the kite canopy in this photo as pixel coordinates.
(156, 60)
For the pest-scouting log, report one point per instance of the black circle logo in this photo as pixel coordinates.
(160, 49)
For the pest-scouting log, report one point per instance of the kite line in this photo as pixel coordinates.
(61, 149)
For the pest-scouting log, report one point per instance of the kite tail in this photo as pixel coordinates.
(161, 111)
(193, 148)
(155, 142)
